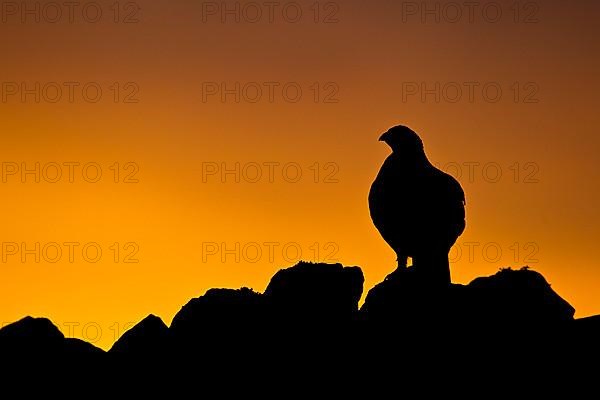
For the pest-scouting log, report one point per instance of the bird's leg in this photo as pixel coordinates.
(402, 261)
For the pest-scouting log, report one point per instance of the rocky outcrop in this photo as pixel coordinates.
(309, 314)
(148, 337)
(508, 300)
(327, 292)
(39, 338)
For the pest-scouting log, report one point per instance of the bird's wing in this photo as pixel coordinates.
(456, 202)
(387, 198)
(453, 190)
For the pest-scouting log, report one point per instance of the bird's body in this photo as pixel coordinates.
(418, 209)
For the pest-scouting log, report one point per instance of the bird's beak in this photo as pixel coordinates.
(383, 137)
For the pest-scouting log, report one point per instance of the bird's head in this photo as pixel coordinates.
(402, 140)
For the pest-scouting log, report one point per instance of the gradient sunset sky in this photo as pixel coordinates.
(505, 97)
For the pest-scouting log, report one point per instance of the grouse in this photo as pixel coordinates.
(418, 209)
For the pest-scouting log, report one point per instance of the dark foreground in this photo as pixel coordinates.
(306, 333)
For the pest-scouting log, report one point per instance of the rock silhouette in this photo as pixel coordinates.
(510, 299)
(219, 323)
(39, 339)
(418, 209)
(148, 338)
(312, 295)
(296, 300)
(307, 328)
(326, 292)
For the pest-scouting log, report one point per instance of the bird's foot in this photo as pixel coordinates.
(402, 263)
(396, 273)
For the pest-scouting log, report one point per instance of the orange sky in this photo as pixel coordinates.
(373, 65)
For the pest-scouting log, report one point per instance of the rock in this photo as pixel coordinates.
(39, 339)
(510, 299)
(519, 298)
(298, 302)
(148, 337)
(325, 292)
(222, 321)
(308, 316)
(31, 336)
(82, 350)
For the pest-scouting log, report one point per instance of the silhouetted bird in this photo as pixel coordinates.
(418, 209)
